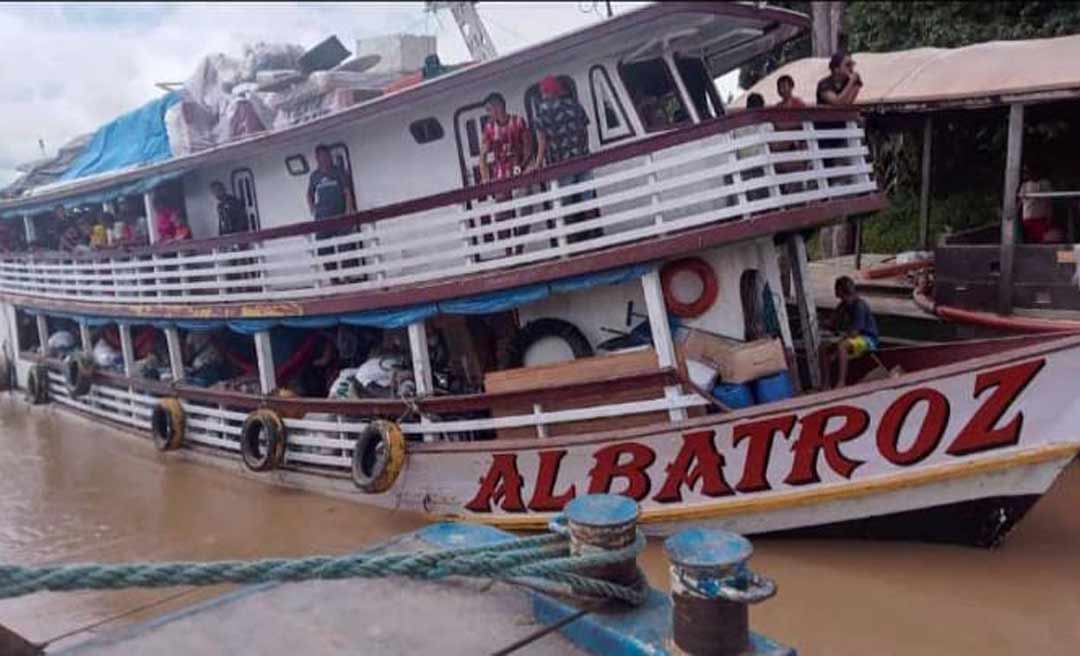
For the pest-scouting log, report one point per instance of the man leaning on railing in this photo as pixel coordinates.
(562, 134)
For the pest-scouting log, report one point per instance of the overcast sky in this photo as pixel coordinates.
(67, 68)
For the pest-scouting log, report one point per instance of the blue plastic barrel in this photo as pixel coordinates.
(772, 388)
(733, 395)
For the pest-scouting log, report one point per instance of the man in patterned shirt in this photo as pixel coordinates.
(509, 141)
(562, 134)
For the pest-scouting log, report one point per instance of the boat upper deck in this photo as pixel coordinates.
(723, 180)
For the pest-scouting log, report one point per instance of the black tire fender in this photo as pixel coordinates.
(379, 457)
(539, 329)
(263, 425)
(167, 424)
(78, 371)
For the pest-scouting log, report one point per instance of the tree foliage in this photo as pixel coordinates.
(886, 26)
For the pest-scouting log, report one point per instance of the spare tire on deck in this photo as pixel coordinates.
(540, 329)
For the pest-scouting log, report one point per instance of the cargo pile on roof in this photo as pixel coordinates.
(270, 87)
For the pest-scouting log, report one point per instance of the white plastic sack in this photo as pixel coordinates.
(61, 339)
(104, 355)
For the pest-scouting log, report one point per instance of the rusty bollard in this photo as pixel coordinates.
(602, 522)
(711, 588)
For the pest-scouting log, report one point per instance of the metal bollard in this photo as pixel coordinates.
(711, 588)
(604, 522)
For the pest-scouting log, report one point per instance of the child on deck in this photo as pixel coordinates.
(856, 325)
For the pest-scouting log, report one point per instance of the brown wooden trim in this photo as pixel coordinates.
(611, 155)
(789, 220)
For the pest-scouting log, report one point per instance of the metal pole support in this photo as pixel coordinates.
(711, 588)
(604, 522)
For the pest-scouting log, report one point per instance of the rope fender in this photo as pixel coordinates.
(541, 557)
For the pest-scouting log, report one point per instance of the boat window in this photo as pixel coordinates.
(426, 130)
(243, 187)
(296, 165)
(654, 94)
(533, 97)
(26, 335)
(700, 87)
(339, 152)
(468, 127)
(612, 124)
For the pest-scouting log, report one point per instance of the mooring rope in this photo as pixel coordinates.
(542, 557)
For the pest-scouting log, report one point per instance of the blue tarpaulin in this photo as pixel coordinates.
(389, 318)
(134, 139)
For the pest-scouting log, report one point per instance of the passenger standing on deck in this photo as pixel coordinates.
(509, 141)
(785, 88)
(329, 196)
(842, 85)
(856, 325)
(562, 134)
(232, 215)
(170, 225)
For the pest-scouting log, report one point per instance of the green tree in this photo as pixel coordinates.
(886, 26)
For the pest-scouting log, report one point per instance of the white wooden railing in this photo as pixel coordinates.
(723, 177)
(329, 440)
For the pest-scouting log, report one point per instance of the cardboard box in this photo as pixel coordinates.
(736, 362)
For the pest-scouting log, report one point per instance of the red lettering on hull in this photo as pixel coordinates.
(979, 434)
(544, 498)
(608, 468)
(698, 460)
(814, 438)
(930, 433)
(699, 464)
(501, 485)
(760, 434)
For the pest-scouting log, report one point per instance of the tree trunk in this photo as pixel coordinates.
(827, 19)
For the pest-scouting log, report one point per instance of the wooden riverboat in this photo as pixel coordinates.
(956, 447)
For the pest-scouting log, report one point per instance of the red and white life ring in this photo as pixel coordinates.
(709, 287)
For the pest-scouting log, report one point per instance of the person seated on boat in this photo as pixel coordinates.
(1037, 214)
(857, 327)
(99, 231)
(562, 134)
(232, 215)
(170, 225)
(329, 196)
(754, 102)
(122, 233)
(205, 361)
(76, 237)
(509, 142)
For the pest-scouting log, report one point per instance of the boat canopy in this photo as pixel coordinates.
(388, 318)
(923, 79)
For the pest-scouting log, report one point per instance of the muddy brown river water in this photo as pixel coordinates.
(75, 490)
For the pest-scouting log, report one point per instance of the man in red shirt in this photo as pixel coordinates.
(508, 139)
(785, 88)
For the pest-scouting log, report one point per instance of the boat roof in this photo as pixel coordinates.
(725, 33)
(925, 79)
